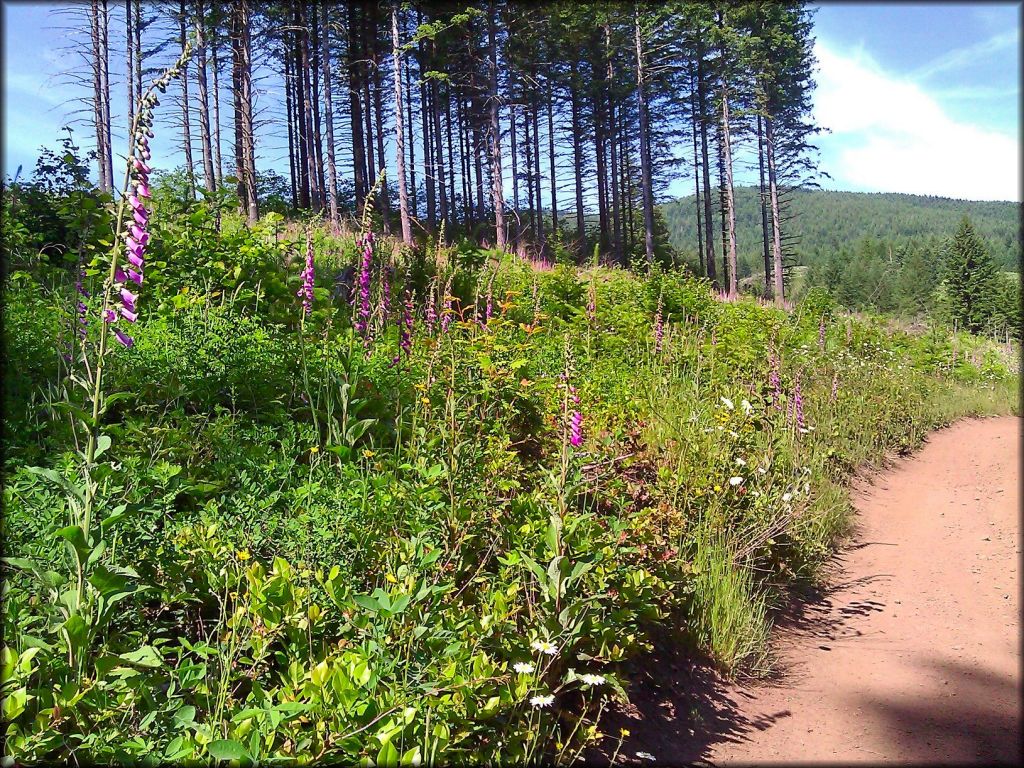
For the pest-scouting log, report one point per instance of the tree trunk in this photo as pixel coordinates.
(300, 106)
(186, 131)
(378, 111)
(602, 171)
(129, 74)
(411, 139)
(308, 99)
(204, 100)
(497, 193)
(332, 169)
(515, 169)
(218, 164)
(645, 147)
(97, 91)
(403, 197)
(242, 72)
(617, 253)
(696, 169)
(313, 36)
(764, 208)
(438, 153)
(355, 113)
(536, 171)
(709, 242)
(451, 156)
(773, 191)
(551, 162)
(427, 108)
(577, 154)
(105, 60)
(289, 105)
(730, 210)
(464, 163)
(528, 166)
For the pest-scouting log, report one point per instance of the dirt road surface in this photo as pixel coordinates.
(912, 656)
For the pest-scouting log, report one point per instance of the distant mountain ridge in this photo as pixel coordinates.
(827, 220)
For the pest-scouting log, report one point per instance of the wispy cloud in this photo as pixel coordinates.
(889, 134)
(961, 57)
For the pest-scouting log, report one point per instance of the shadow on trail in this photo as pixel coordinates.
(680, 707)
(972, 726)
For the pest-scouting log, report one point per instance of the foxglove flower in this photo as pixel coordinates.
(821, 334)
(659, 327)
(365, 242)
(308, 278)
(431, 310)
(835, 388)
(592, 304)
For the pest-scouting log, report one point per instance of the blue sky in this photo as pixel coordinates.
(918, 98)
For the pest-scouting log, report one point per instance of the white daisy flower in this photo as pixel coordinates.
(542, 701)
(592, 679)
(762, 470)
(747, 407)
(523, 667)
(544, 647)
(787, 496)
(741, 463)
(727, 403)
(807, 487)
(735, 480)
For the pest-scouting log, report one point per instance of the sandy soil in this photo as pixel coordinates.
(912, 655)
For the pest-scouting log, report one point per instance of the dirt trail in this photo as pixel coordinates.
(912, 656)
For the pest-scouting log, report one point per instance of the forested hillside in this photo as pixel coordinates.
(824, 222)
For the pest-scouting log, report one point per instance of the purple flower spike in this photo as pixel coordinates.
(140, 166)
(124, 338)
(120, 276)
(142, 190)
(128, 315)
(135, 260)
(134, 202)
(140, 218)
(109, 316)
(128, 298)
(137, 231)
(135, 277)
(576, 429)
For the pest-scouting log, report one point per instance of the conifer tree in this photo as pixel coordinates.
(971, 280)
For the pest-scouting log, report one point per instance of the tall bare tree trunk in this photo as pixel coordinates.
(541, 239)
(577, 152)
(438, 155)
(730, 207)
(396, 65)
(497, 193)
(709, 241)
(617, 252)
(313, 36)
(204, 101)
(551, 162)
(129, 39)
(451, 156)
(515, 168)
(773, 190)
(645, 146)
(102, 136)
(763, 197)
(332, 170)
(411, 139)
(245, 152)
(186, 131)
(307, 111)
(355, 113)
(696, 171)
(218, 164)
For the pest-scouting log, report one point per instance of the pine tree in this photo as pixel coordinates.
(971, 280)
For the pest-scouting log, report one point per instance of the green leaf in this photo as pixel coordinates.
(185, 716)
(387, 756)
(147, 656)
(227, 749)
(102, 444)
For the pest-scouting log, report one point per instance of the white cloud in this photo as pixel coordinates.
(963, 57)
(889, 135)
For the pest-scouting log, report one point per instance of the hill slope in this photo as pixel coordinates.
(828, 220)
